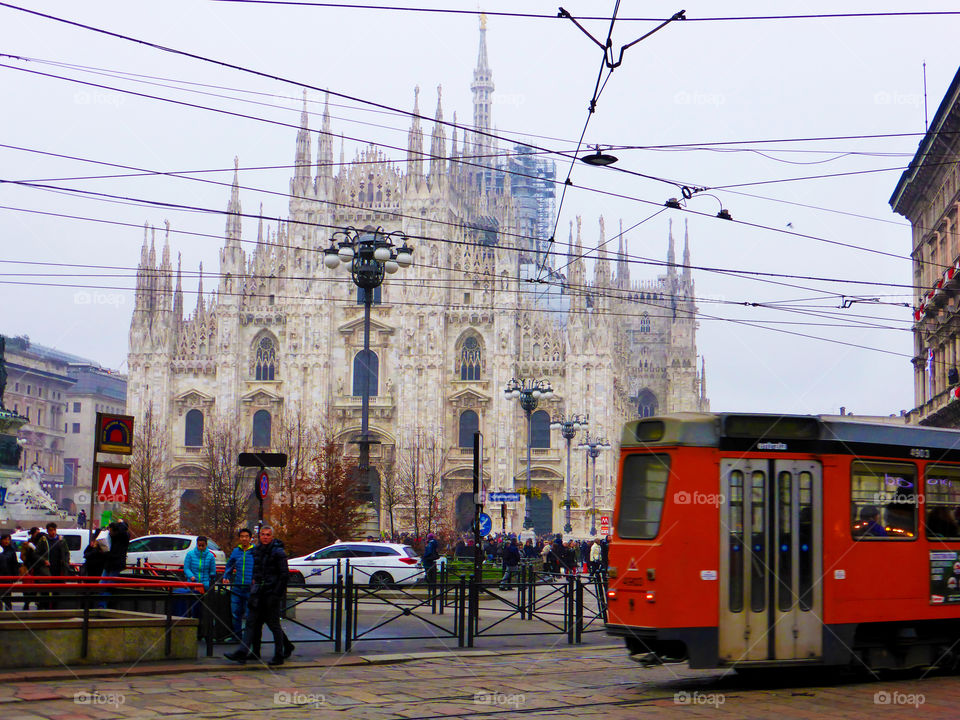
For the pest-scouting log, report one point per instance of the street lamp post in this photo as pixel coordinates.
(594, 448)
(568, 427)
(529, 393)
(371, 255)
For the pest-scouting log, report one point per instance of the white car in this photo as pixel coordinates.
(372, 563)
(167, 549)
(77, 541)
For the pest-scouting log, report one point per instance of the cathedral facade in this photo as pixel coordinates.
(281, 335)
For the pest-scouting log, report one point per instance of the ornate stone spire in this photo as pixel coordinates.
(178, 295)
(601, 270)
(301, 171)
(324, 151)
(671, 254)
(438, 141)
(687, 277)
(233, 208)
(482, 87)
(623, 267)
(415, 139)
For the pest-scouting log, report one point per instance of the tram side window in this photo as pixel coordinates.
(883, 501)
(942, 500)
(641, 495)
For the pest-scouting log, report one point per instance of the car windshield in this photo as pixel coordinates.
(409, 551)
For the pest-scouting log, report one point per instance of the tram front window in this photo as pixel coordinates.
(641, 495)
(942, 500)
(884, 500)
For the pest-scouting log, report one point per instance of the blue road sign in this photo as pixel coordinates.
(263, 484)
(486, 524)
(504, 497)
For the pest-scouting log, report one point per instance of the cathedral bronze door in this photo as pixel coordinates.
(541, 512)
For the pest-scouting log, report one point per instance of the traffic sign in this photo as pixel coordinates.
(486, 524)
(249, 459)
(504, 497)
(604, 519)
(263, 484)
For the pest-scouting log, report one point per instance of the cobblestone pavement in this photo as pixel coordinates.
(561, 684)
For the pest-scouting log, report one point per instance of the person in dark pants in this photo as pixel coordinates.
(82, 519)
(431, 553)
(511, 564)
(9, 567)
(58, 555)
(267, 589)
(115, 561)
(238, 575)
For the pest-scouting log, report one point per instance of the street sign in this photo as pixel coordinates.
(114, 434)
(486, 524)
(604, 519)
(113, 482)
(263, 484)
(504, 497)
(274, 460)
(604, 524)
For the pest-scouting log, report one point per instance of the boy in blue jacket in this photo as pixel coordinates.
(239, 574)
(200, 564)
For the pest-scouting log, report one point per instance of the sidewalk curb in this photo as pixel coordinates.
(219, 665)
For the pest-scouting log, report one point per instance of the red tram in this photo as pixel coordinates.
(745, 541)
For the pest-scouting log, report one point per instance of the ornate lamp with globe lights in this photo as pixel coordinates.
(569, 427)
(529, 393)
(594, 448)
(371, 255)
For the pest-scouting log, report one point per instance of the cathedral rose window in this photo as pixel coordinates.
(469, 359)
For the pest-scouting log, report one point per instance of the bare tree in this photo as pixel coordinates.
(225, 498)
(150, 506)
(418, 482)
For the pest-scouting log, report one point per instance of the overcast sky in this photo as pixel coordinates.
(691, 83)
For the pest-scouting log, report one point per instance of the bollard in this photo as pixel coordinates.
(459, 620)
(578, 634)
(348, 606)
(568, 606)
(338, 612)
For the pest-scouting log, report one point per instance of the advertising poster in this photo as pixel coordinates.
(944, 577)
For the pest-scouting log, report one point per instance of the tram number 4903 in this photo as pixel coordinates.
(920, 453)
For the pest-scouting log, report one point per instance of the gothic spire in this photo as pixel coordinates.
(165, 267)
(438, 141)
(325, 147)
(233, 207)
(686, 253)
(415, 139)
(301, 171)
(199, 311)
(623, 267)
(671, 254)
(178, 295)
(482, 87)
(601, 270)
(703, 380)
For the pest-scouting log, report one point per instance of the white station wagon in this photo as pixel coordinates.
(372, 563)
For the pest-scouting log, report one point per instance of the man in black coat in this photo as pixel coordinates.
(9, 567)
(267, 591)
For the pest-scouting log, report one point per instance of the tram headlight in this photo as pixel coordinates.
(650, 595)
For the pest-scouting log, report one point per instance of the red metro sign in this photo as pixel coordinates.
(113, 483)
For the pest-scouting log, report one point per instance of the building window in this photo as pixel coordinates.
(76, 407)
(884, 500)
(645, 323)
(469, 424)
(193, 433)
(376, 295)
(28, 389)
(646, 404)
(469, 359)
(540, 429)
(261, 429)
(366, 368)
(76, 428)
(265, 360)
(40, 417)
(71, 467)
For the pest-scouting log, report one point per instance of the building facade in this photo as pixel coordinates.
(928, 195)
(59, 394)
(281, 335)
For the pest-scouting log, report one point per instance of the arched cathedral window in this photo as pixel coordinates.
(646, 403)
(469, 424)
(540, 429)
(469, 359)
(366, 369)
(265, 359)
(645, 323)
(193, 429)
(261, 429)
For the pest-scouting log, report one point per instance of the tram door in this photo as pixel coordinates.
(771, 596)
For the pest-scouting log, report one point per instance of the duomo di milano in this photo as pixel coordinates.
(281, 333)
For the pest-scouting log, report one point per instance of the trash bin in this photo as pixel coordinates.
(218, 615)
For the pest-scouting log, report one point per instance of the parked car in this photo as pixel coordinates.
(77, 541)
(373, 563)
(167, 549)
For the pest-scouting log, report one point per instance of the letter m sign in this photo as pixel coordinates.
(113, 483)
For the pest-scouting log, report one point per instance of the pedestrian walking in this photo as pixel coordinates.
(82, 519)
(115, 561)
(267, 590)
(595, 556)
(9, 568)
(33, 554)
(58, 555)
(238, 574)
(94, 559)
(511, 563)
(431, 553)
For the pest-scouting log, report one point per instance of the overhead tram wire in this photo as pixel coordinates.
(544, 16)
(603, 192)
